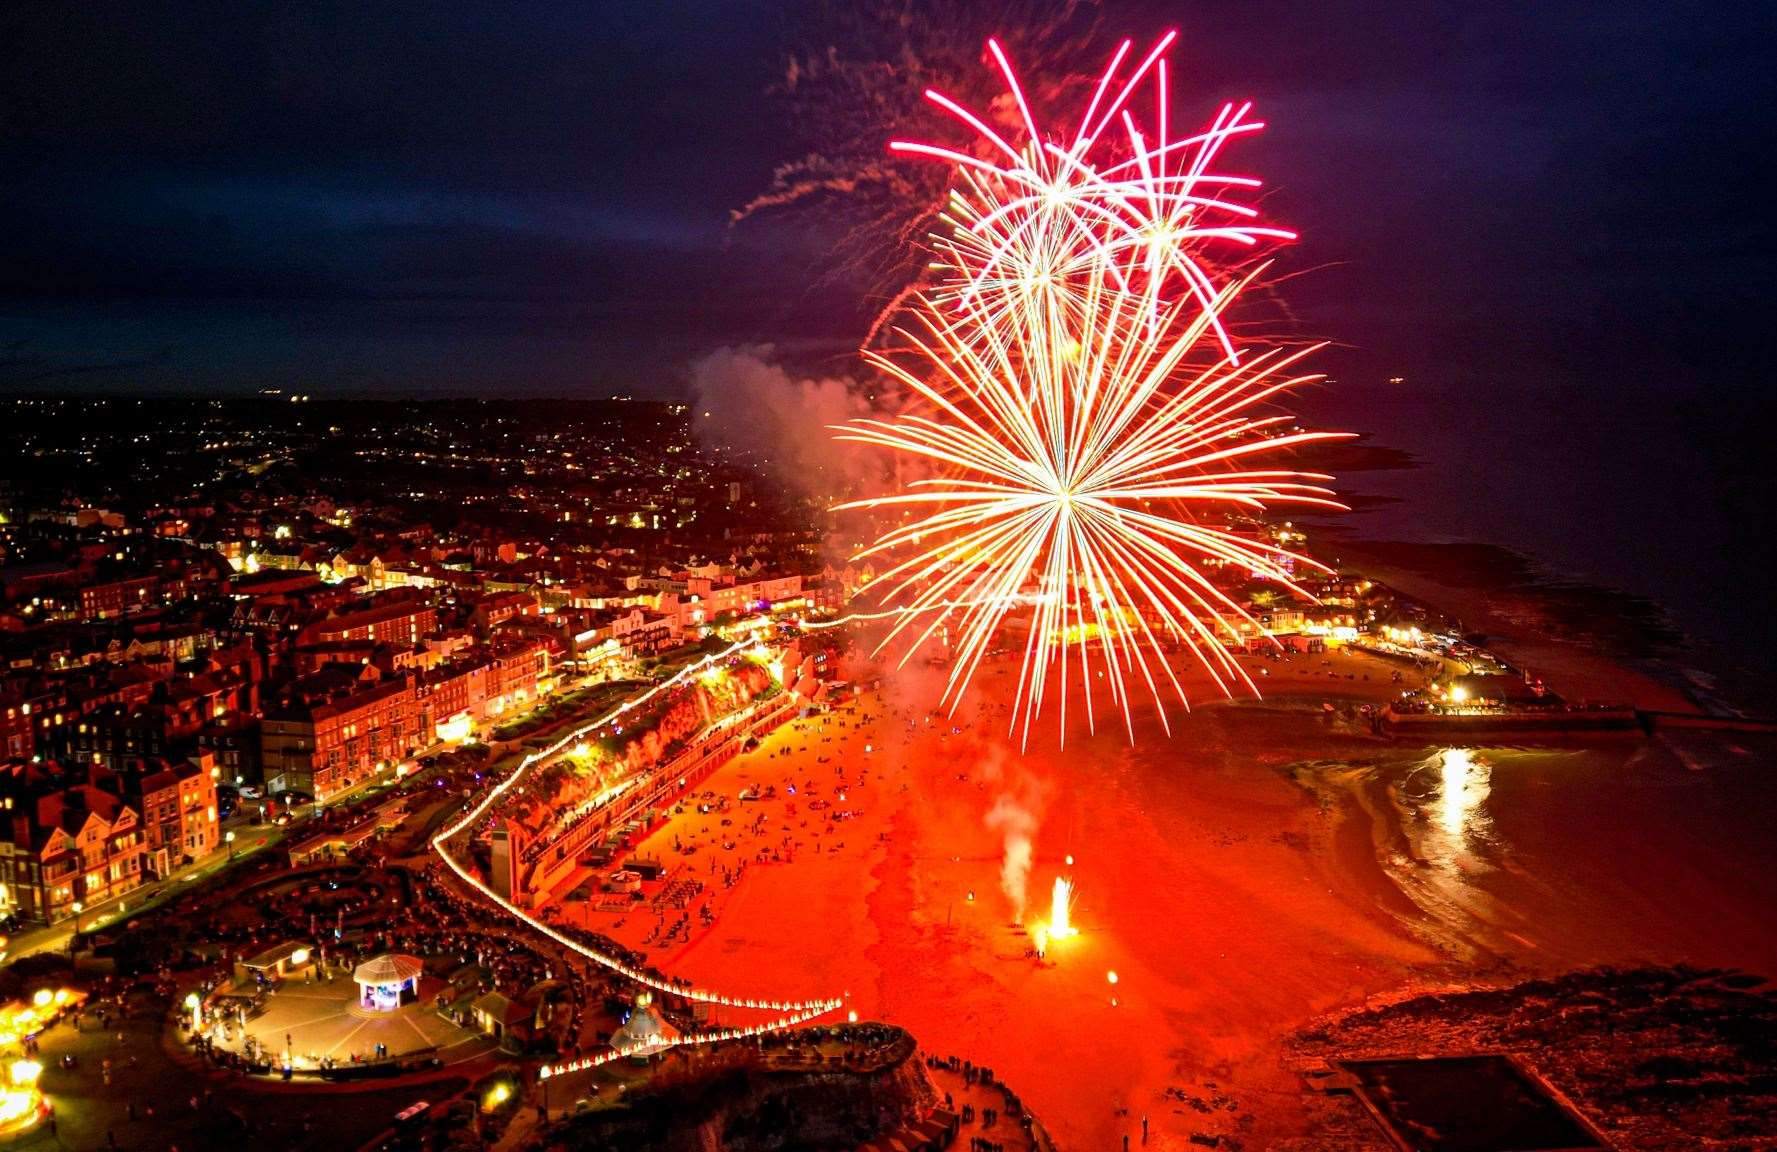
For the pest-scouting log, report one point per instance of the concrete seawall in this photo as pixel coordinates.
(1665, 721)
(1555, 725)
(1522, 725)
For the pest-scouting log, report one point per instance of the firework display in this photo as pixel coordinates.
(1092, 439)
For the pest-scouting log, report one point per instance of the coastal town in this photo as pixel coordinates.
(510, 812)
(220, 649)
(886, 576)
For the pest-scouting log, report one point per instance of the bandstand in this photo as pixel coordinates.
(388, 981)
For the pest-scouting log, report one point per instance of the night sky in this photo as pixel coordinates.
(536, 198)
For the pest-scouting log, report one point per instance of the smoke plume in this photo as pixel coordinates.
(860, 80)
(1016, 815)
(751, 405)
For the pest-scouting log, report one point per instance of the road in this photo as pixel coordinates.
(249, 840)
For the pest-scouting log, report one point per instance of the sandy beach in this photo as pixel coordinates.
(1264, 865)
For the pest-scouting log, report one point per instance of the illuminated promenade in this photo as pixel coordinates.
(791, 1012)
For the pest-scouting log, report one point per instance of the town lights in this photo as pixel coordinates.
(456, 730)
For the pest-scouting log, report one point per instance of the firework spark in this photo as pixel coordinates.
(1086, 416)
(1028, 221)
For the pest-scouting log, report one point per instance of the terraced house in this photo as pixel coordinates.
(67, 850)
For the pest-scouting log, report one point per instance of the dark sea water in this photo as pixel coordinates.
(1667, 499)
(1554, 858)
(1550, 858)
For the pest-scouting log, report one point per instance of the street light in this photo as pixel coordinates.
(228, 838)
(74, 936)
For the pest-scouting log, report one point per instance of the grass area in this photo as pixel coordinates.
(564, 713)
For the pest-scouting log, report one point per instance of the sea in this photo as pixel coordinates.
(1667, 498)
(1541, 860)
(1548, 858)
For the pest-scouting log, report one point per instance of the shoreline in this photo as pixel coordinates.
(1262, 867)
(1255, 871)
(1500, 595)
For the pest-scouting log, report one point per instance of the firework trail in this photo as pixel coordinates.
(1091, 433)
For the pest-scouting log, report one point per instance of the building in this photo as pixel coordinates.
(18, 739)
(451, 695)
(232, 742)
(112, 598)
(179, 819)
(80, 845)
(705, 599)
(324, 743)
(498, 607)
(129, 736)
(388, 981)
(518, 676)
(395, 622)
(278, 584)
(500, 1016)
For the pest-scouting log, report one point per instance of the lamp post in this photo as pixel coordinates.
(228, 838)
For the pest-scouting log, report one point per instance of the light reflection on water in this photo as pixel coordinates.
(1462, 794)
(1580, 855)
(1454, 808)
(1449, 842)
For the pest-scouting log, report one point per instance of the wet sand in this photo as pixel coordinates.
(1260, 868)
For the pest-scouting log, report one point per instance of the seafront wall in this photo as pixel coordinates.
(1496, 725)
(1544, 725)
(714, 747)
(1662, 721)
